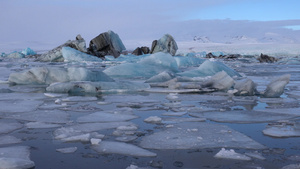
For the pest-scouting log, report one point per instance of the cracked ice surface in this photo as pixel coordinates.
(198, 135)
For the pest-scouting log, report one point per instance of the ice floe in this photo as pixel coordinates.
(105, 117)
(203, 135)
(7, 127)
(15, 158)
(9, 140)
(41, 125)
(67, 150)
(283, 129)
(111, 147)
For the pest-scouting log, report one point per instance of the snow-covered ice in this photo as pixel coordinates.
(231, 154)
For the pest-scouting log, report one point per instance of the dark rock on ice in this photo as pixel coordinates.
(166, 44)
(265, 58)
(107, 43)
(141, 51)
(230, 56)
(55, 55)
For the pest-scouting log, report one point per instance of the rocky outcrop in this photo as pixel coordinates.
(265, 58)
(107, 43)
(141, 51)
(166, 44)
(55, 55)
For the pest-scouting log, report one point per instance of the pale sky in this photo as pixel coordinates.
(56, 21)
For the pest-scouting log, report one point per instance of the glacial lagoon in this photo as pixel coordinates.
(150, 111)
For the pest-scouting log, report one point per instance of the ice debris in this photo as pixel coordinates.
(276, 86)
(166, 44)
(95, 141)
(283, 130)
(231, 154)
(209, 68)
(111, 147)
(48, 75)
(212, 136)
(15, 158)
(245, 87)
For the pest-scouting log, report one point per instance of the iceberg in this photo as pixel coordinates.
(166, 44)
(48, 75)
(28, 51)
(96, 87)
(14, 55)
(188, 61)
(196, 135)
(276, 87)
(245, 87)
(145, 68)
(210, 68)
(220, 81)
(111, 147)
(73, 55)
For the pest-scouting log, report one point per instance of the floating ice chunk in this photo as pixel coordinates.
(40, 125)
(105, 117)
(188, 61)
(276, 86)
(213, 136)
(95, 141)
(73, 55)
(283, 131)
(80, 137)
(161, 77)
(110, 147)
(7, 127)
(146, 68)
(128, 127)
(126, 138)
(48, 75)
(231, 154)
(174, 113)
(9, 140)
(46, 116)
(28, 51)
(15, 158)
(245, 87)
(96, 87)
(153, 119)
(220, 81)
(172, 97)
(67, 150)
(256, 155)
(165, 44)
(210, 68)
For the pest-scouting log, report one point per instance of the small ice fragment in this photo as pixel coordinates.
(95, 141)
(67, 150)
(231, 154)
(172, 97)
(276, 86)
(129, 127)
(153, 119)
(57, 101)
(82, 138)
(103, 103)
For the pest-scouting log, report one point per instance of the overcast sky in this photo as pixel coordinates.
(55, 21)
